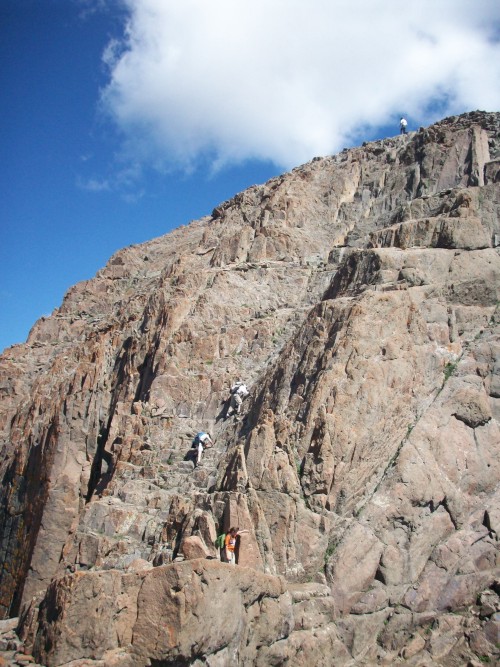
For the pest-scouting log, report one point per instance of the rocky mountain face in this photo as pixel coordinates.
(357, 296)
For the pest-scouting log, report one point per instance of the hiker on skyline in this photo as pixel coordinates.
(402, 125)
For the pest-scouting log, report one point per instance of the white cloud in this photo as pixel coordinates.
(125, 180)
(93, 185)
(286, 80)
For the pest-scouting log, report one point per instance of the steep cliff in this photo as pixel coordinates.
(358, 298)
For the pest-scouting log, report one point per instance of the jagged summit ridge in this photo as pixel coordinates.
(357, 296)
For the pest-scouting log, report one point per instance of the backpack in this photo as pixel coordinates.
(220, 541)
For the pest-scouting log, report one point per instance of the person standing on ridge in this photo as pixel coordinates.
(200, 442)
(402, 125)
(239, 391)
(230, 544)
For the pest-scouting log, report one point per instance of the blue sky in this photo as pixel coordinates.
(54, 231)
(124, 119)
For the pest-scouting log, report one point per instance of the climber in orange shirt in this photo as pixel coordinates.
(230, 544)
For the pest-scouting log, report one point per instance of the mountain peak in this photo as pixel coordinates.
(357, 297)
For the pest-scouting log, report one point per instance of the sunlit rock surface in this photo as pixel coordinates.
(357, 296)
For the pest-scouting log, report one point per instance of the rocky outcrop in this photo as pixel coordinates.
(358, 298)
(188, 613)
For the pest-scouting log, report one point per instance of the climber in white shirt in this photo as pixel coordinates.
(239, 391)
